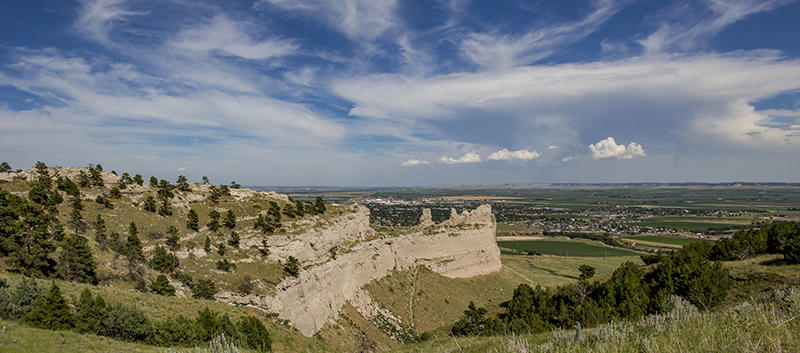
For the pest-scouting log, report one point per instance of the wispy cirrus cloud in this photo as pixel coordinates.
(227, 37)
(688, 25)
(359, 20)
(497, 50)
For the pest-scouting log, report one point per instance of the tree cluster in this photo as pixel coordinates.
(124, 322)
(777, 238)
(629, 294)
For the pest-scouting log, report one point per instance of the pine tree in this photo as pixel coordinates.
(291, 267)
(76, 262)
(230, 220)
(183, 183)
(149, 204)
(161, 286)
(50, 312)
(89, 313)
(138, 179)
(319, 206)
(163, 261)
(213, 223)
(133, 250)
(235, 239)
(193, 220)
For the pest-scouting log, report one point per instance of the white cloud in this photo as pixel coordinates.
(228, 37)
(97, 18)
(552, 147)
(632, 99)
(182, 169)
(470, 157)
(688, 26)
(495, 50)
(506, 155)
(413, 162)
(609, 148)
(360, 20)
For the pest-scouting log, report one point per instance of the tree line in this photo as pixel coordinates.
(48, 309)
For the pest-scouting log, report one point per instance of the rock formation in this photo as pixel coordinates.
(463, 246)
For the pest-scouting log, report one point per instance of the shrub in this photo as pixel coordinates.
(126, 323)
(204, 289)
(256, 335)
(161, 286)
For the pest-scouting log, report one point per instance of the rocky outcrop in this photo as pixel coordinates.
(463, 246)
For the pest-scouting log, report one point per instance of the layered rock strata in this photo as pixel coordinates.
(463, 246)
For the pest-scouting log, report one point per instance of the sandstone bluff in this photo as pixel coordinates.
(463, 246)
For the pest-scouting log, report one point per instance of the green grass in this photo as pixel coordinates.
(553, 271)
(508, 229)
(683, 225)
(24, 339)
(665, 239)
(565, 248)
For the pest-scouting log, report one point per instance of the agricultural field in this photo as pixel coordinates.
(664, 239)
(564, 248)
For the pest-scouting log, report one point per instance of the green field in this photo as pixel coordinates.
(683, 225)
(664, 240)
(565, 247)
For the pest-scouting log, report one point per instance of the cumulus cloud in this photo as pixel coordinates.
(552, 147)
(470, 157)
(506, 155)
(182, 169)
(609, 148)
(413, 162)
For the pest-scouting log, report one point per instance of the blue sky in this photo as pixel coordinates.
(404, 93)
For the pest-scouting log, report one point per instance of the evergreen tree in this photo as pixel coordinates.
(100, 233)
(207, 245)
(234, 240)
(26, 233)
(163, 261)
(138, 179)
(149, 204)
(193, 220)
(587, 271)
(89, 313)
(83, 179)
(5, 167)
(230, 220)
(22, 299)
(319, 206)
(165, 210)
(292, 268)
(50, 312)
(153, 181)
(255, 333)
(126, 323)
(133, 251)
(183, 183)
(213, 223)
(95, 176)
(76, 262)
(161, 286)
(76, 218)
(204, 289)
(173, 240)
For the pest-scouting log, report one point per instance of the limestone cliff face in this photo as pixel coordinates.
(463, 246)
